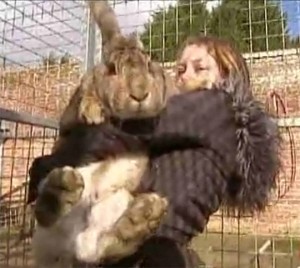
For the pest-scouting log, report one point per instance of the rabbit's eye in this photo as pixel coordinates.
(111, 69)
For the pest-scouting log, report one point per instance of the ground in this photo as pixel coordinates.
(232, 250)
(237, 251)
(18, 251)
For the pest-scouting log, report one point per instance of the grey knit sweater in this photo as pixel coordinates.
(235, 164)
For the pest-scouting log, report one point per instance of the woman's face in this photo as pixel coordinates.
(196, 68)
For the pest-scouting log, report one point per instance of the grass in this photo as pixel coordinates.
(18, 254)
(240, 251)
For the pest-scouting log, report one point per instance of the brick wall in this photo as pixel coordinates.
(45, 93)
(39, 92)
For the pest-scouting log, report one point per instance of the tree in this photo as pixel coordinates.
(261, 29)
(169, 28)
(230, 20)
(294, 42)
(52, 59)
(65, 59)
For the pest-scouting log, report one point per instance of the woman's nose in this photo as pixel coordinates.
(188, 74)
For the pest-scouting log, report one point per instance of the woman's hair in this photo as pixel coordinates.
(227, 56)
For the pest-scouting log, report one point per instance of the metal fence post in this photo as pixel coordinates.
(90, 43)
(1, 156)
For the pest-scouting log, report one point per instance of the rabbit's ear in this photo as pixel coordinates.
(136, 37)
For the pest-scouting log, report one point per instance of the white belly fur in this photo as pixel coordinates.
(78, 234)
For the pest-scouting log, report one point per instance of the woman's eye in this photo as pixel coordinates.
(200, 68)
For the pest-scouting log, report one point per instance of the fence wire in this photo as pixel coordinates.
(43, 46)
(31, 30)
(23, 138)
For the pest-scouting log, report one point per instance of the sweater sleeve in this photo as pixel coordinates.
(194, 178)
(194, 186)
(239, 154)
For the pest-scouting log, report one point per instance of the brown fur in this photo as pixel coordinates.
(126, 85)
(229, 60)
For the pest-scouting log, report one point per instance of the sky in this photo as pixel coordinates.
(292, 7)
(29, 29)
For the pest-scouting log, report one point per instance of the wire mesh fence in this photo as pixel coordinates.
(23, 138)
(41, 54)
(45, 46)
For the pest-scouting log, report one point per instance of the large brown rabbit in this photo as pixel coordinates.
(83, 210)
